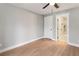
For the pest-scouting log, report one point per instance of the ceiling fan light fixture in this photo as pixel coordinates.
(52, 3)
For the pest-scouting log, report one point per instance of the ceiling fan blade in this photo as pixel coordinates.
(46, 5)
(56, 5)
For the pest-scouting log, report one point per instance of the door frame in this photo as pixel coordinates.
(63, 14)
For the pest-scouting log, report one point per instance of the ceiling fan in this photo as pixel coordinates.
(55, 5)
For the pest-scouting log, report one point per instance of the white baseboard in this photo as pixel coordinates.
(49, 38)
(19, 45)
(72, 44)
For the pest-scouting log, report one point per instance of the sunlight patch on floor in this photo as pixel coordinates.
(62, 43)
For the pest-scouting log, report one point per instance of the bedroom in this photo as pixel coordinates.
(27, 29)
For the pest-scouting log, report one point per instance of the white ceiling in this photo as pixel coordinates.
(37, 7)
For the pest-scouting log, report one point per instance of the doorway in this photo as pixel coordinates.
(62, 28)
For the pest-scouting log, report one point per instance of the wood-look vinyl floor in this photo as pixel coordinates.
(44, 47)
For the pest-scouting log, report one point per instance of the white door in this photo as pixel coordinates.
(48, 27)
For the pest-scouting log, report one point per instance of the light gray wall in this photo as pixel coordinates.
(18, 26)
(73, 24)
(48, 27)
